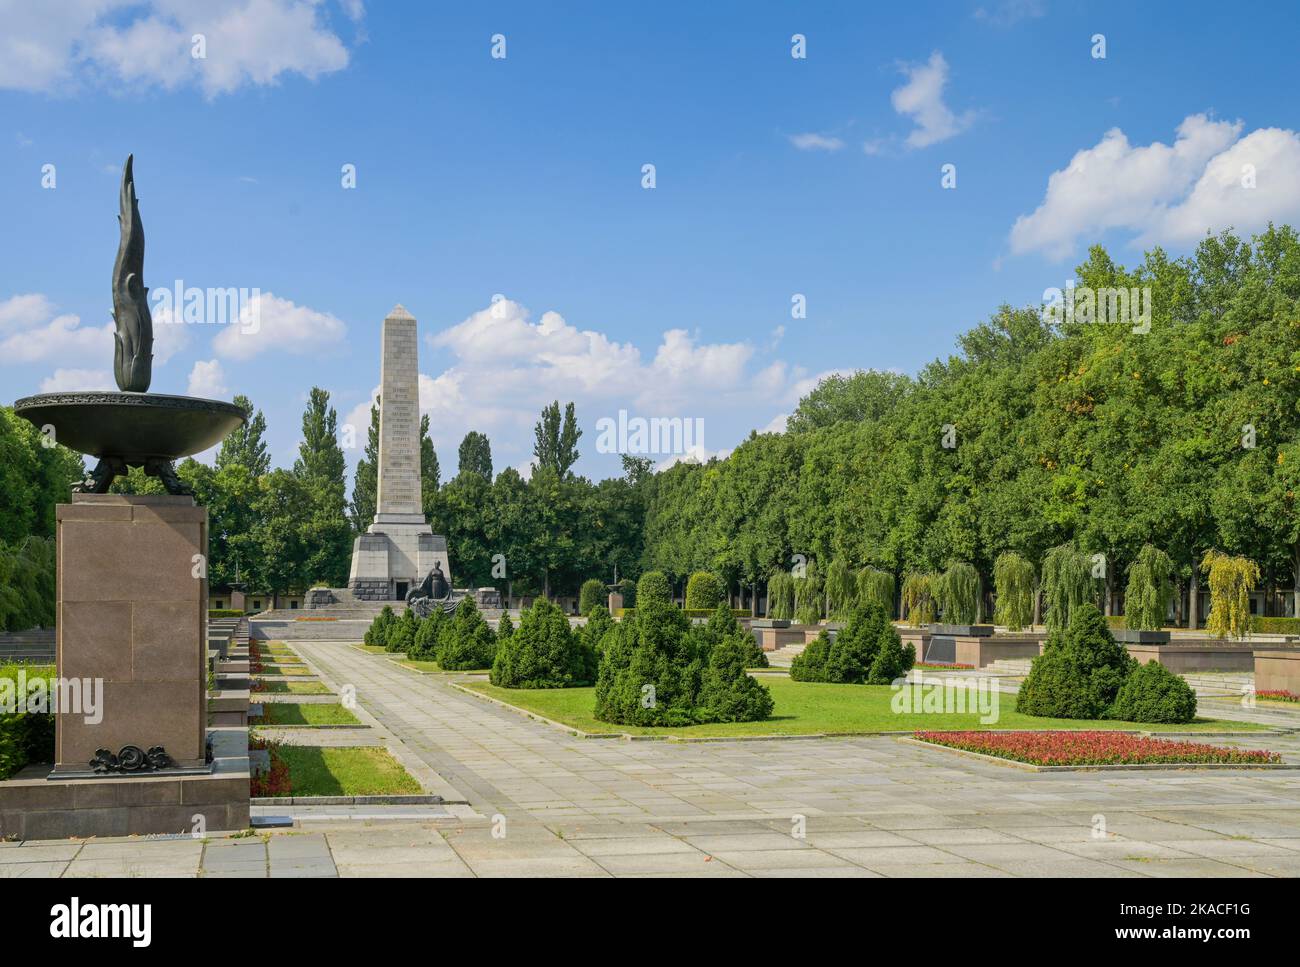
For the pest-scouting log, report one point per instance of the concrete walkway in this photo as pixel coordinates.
(541, 802)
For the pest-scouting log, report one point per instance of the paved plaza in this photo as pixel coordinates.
(526, 798)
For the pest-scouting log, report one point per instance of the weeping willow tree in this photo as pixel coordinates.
(919, 598)
(841, 590)
(27, 584)
(780, 596)
(1067, 583)
(876, 587)
(960, 594)
(1013, 583)
(1231, 581)
(1149, 591)
(808, 596)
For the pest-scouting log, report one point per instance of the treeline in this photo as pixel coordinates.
(1039, 432)
(291, 529)
(35, 474)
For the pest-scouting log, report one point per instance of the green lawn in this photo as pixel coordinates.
(372, 649)
(299, 669)
(345, 772)
(808, 707)
(293, 688)
(304, 713)
(432, 667)
(10, 671)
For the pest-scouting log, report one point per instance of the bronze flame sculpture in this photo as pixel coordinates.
(133, 428)
(133, 341)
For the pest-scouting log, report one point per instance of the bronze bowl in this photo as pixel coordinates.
(147, 430)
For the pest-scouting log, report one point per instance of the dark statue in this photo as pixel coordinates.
(433, 592)
(133, 341)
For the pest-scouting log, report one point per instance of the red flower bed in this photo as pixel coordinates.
(1278, 695)
(1093, 748)
(942, 664)
(275, 782)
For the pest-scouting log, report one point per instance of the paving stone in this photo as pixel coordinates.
(39, 853)
(32, 870)
(751, 860)
(682, 864)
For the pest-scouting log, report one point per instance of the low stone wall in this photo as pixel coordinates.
(918, 638)
(344, 629)
(1182, 655)
(1277, 670)
(980, 651)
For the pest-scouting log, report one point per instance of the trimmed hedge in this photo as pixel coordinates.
(543, 652)
(465, 641)
(656, 669)
(377, 633)
(653, 587)
(690, 612)
(867, 651)
(591, 594)
(1084, 674)
(428, 637)
(1079, 672)
(703, 591)
(1154, 694)
(400, 633)
(593, 632)
(1275, 626)
(225, 613)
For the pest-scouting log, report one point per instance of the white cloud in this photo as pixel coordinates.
(34, 333)
(169, 338)
(24, 311)
(72, 380)
(148, 44)
(208, 380)
(697, 454)
(501, 368)
(268, 323)
(921, 99)
(1167, 194)
(60, 338)
(1220, 198)
(816, 142)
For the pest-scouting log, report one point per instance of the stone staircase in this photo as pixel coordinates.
(1010, 667)
(36, 645)
(782, 657)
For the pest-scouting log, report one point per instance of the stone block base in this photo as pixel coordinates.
(980, 651)
(771, 639)
(371, 590)
(39, 808)
(1277, 670)
(1204, 655)
(318, 598)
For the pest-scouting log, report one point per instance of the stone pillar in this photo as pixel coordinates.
(399, 548)
(132, 602)
(398, 493)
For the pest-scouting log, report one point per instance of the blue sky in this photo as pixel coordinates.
(522, 177)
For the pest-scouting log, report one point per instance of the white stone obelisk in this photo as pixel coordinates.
(399, 548)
